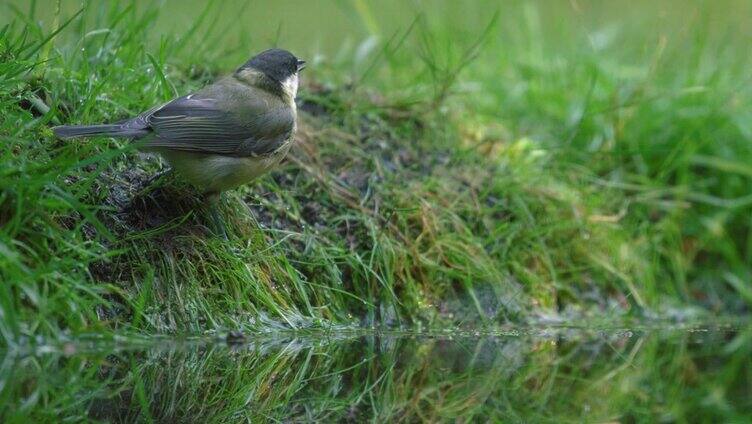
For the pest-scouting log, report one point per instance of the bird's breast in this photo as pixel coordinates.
(217, 173)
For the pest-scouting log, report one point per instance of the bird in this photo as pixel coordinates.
(224, 135)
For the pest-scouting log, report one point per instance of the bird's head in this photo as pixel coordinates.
(280, 66)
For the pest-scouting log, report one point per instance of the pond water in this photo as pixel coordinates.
(677, 374)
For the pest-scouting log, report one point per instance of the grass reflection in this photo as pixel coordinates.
(569, 375)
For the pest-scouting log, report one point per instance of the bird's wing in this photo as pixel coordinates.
(202, 124)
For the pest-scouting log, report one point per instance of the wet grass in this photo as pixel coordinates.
(468, 172)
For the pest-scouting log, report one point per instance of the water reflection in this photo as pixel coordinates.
(541, 375)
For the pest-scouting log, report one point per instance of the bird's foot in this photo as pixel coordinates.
(155, 181)
(217, 223)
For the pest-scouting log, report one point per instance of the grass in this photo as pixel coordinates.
(576, 162)
(443, 175)
(479, 167)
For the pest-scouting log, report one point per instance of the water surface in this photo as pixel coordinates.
(687, 374)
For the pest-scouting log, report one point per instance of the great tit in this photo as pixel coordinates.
(224, 135)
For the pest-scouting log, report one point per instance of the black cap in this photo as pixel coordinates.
(277, 64)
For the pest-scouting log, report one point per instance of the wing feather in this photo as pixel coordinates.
(202, 124)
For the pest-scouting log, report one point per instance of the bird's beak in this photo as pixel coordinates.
(301, 65)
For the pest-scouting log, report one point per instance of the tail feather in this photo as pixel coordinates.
(109, 130)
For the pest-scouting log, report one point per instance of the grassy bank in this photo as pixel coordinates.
(498, 169)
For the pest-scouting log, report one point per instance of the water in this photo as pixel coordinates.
(520, 375)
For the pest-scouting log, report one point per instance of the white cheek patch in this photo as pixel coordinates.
(290, 85)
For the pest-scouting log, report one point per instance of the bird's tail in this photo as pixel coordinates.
(108, 130)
